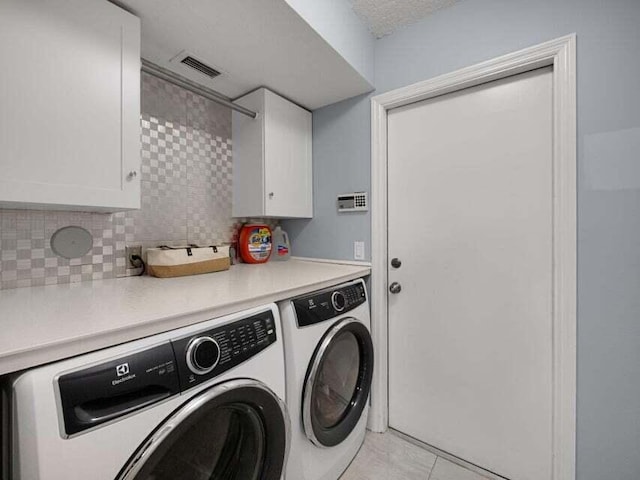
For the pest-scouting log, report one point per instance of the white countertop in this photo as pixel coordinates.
(43, 324)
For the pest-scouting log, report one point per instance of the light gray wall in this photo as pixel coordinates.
(339, 25)
(608, 185)
(341, 164)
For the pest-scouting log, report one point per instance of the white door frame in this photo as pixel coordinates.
(561, 54)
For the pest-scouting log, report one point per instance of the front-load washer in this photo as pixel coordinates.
(329, 367)
(200, 402)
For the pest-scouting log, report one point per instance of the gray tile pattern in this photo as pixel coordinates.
(446, 470)
(389, 457)
(186, 187)
(208, 116)
(26, 258)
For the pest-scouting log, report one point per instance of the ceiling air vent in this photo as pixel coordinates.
(201, 67)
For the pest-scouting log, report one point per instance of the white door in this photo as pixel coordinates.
(470, 219)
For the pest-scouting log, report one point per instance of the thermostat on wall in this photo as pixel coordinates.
(353, 202)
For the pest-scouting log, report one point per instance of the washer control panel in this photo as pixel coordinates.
(100, 393)
(203, 354)
(209, 353)
(97, 394)
(330, 303)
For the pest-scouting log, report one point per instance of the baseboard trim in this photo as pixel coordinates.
(447, 456)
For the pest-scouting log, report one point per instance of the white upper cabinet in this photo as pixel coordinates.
(69, 105)
(272, 169)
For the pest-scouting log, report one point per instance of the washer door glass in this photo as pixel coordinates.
(338, 383)
(237, 431)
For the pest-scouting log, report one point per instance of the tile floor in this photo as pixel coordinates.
(389, 457)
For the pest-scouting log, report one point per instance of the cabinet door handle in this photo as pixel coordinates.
(271, 194)
(132, 174)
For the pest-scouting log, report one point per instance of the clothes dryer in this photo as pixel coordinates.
(329, 367)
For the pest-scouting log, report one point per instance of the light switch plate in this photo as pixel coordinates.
(358, 250)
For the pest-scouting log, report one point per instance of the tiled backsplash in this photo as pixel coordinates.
(186, 176)
(26, 257)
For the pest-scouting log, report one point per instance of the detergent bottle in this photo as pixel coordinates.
(281, 246)
(255, 243)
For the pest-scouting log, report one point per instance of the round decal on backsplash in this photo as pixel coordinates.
(71, 242)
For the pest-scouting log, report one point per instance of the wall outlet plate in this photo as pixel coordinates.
(131, 250)
(358, 250)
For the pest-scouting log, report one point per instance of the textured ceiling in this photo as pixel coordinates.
(384, 16)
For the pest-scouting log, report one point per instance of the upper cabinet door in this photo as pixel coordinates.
(288, 177)
(70, 96)
(272, 158)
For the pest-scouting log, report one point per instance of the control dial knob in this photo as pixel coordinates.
(338, 301)
(203, 354)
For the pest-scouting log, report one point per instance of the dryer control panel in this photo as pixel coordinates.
(327, 304)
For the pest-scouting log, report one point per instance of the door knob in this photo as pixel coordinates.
(396, 263)
(395, 287)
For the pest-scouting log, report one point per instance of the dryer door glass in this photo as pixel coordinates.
(235, 431)
(338, 383)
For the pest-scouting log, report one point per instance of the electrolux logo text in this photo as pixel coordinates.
(121, 371)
